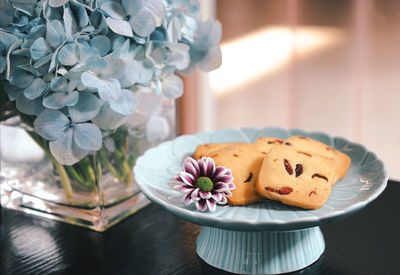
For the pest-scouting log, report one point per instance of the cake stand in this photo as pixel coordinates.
(267, 237)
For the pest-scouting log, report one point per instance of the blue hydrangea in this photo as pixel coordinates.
(80, 66)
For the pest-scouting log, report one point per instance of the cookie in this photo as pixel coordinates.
(245, 161)
(312, 147)
(204, 149)
(264, 144)
(294, 178)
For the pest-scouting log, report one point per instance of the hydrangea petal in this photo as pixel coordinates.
(43, 61)
(125, 104)
(157, 9)
(55, 34)
(3, 64)
(115, 68)
(12, 91)
(58, 84)
(119, 27)
(96, 64)
(108, 89)
(132, 6)
(113, 9)
(63, 151)
(157, 129)
(51, 124)
(88, 136)
(29, 107)
(108, 119)
(68, 55)
(39, 48)
(131, 74)
(101, 43)
(36, 89)
(172, 86)
(70, 24)
(57, 3)
(86, 109)
(212, 60)
(143, 23)
(59, 100)
(21, 79)
(145, 72)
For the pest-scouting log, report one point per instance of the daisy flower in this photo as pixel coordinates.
(204, 184)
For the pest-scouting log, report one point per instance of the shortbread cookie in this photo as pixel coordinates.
(204, 149)
(312, 147)
(264, 144)
(294, 178)
(245, 161)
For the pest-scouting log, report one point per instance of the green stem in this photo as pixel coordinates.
(107, 164)
(74, 174)
(65, 182)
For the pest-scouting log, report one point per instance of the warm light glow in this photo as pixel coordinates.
(265, 51)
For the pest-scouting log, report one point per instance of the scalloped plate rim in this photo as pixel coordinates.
(202, 218)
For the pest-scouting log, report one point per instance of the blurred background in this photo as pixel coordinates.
(330, 66)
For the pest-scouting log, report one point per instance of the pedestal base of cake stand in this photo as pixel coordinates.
(268, 252)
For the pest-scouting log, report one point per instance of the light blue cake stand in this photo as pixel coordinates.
(268, 237)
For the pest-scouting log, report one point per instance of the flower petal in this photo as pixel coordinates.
(39, 48)
(108, 89)
(55, 34)
(143, 23)
(187, 199)
(212, 204)
(125, 104)
(29, 107)
(21, 79)
(172, 86)
(157, 9)
(51, 124)
(57, 3)
(205, 195)
(119, 27)
(113, 9)
(101, 43)
(63, 151)
(201, 205)
(58, 84)
(157, 129)
(188, 167)
(223, 200)
(86, 109)
(59, 100)
(108, 119)
(36, 89)
(88, 136)
(187, 178)
(195, 194)
(186, 188)
(217, 196)
(212, 60)
(68, 55)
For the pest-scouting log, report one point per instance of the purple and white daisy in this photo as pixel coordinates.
(204, 183)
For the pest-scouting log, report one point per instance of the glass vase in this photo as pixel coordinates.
(98, 191)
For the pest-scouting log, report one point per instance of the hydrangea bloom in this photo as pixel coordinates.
(204, 184)
(80, 66)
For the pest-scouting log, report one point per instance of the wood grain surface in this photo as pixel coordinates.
(154, 241)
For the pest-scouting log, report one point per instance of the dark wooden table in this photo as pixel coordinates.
(154, 241)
